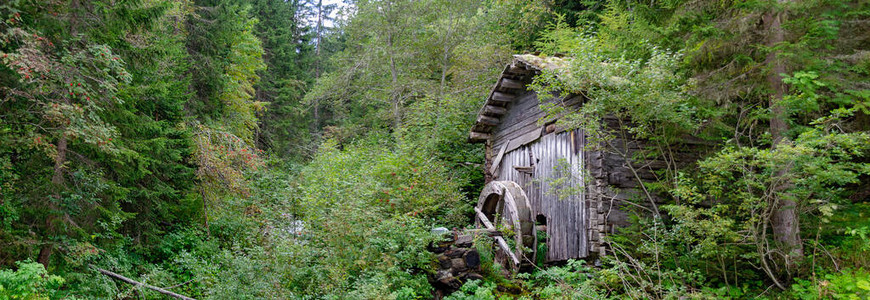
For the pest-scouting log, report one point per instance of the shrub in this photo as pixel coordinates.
(848, 284)
(31, 281)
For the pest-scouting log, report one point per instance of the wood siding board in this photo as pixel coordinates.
(516, 134)
(525, 139)
(508, 129)
(521, 104)
(525, 114)
(479, 136)
(565, 217)
(487, 120)
(522, 112)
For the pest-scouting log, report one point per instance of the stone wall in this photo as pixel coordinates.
(458, 263)
(615, 179)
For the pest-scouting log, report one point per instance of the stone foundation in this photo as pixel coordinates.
(458, 263)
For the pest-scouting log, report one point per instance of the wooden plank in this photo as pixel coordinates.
(521, 119)
(481, 128)
(525, 169)
(502, 97)
(565, 216)
(490, 121)
(494, 110)
(512, 84)
(522, 104)
(499, 140)
(499, 240)
(475, 136)
(523, 113)
(497, 161)
(517, 129)
(488, 232)
(529, 137)
(494, 87)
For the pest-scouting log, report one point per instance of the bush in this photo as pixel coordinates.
(848, 284)
(31, 281)
(474, 290)
(365, 212)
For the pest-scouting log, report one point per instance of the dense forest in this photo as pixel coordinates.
(284, 149)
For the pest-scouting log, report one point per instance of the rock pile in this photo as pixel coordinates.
(458, 262)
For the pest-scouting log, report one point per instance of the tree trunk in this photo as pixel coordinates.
(56, 181)
(317, 44)
(784, 220)
(394, 75)
(445, 58)
(204, 209)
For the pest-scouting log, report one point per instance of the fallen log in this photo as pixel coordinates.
(136, 283)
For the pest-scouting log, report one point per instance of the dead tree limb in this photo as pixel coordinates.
(136, 283)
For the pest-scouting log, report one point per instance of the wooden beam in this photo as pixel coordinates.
(526, 138)
(491, 121)
(497, 161)
(499, 240)
(479, 136)
(488, 232)
(494, 110)
(502, 97)
(525, 169)
(512, 84)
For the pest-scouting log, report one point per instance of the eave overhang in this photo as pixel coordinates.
(512, 83)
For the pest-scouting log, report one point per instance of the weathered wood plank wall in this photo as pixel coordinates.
(555, 189)
(554, 184)
(522, 117)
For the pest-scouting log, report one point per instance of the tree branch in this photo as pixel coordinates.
(136, 283)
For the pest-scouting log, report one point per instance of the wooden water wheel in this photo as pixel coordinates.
(504, 207)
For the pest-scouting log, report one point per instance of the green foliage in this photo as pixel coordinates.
(847, 284)
(288, 55)
(30, 281)
(518, 23)
(129, 134)
(243, 61)
(156, 170)
(715, 238)
(652, 93)
(573, 280)
(438, 127)
(474, 290)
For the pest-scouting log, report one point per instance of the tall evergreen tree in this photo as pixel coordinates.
(287, 45)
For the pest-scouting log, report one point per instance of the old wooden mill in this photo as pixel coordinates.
(542, 178)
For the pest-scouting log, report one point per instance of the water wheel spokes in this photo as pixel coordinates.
(503, 206)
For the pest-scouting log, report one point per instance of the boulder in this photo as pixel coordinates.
(455, 252)
(464, 241)
(444, 262)
(472, 276)
(472, 259)
(447, 279)
(458, 264)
